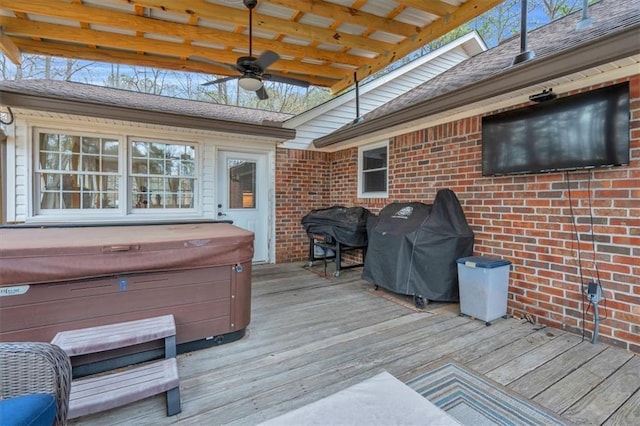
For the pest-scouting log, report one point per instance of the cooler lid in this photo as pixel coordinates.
(482, 262)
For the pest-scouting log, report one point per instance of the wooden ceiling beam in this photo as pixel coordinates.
(69, 34)
(126, 21)
(350, 14)
(9, 49)
(276, 25)
(434, 7)
(438, 28)
(65, 50)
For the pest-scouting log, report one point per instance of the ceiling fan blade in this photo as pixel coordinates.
(267, 58)
(286, 80)
(212, 62)
(262, 93)
(219, 80)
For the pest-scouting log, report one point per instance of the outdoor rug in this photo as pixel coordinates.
(474, 400)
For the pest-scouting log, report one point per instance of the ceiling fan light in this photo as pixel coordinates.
(250, 83)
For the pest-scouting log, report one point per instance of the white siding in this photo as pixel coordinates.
(334, 114)
(20, 149)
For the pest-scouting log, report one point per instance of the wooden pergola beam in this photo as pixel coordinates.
(357, 17)
(110, 40)
(434, 7)
(438, 28)
(99, 16)
(264, 22)
(72, 51)
(9, 49)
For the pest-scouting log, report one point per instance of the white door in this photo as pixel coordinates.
(243, 188)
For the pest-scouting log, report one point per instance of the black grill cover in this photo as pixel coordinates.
(346, 225)
(413, 247)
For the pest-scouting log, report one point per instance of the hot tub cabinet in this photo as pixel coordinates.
(62, 278)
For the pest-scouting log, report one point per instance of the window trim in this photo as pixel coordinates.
(361, 151)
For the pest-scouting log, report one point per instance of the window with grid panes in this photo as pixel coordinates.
(162, 175)
(76, 172)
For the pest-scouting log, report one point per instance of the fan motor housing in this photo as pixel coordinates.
(250, 3)
(247, 64)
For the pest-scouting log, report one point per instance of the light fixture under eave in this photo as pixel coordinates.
(544, 96)
(250, 83)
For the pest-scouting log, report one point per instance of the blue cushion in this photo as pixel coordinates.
(28, 410)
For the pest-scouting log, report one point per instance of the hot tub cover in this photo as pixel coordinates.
(413, 247)
(347, 225)
(33, 255)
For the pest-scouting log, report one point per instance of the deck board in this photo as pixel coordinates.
(312, 335)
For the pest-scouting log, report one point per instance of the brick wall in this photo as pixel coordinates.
(530, 220)
(302, 184)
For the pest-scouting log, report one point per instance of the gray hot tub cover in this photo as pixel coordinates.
(413, 247)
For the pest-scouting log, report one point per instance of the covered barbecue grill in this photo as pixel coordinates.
(336, 230)
(413, 248)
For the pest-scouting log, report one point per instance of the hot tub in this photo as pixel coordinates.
(62, 278)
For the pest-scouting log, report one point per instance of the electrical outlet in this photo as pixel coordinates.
(594, 292)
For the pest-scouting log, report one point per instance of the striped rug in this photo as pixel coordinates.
(474, 400)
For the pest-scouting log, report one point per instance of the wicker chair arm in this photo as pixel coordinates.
(34, 367)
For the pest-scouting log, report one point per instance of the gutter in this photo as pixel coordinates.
(94, 109)
(597, 52)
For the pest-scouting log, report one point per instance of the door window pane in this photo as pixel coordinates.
(242, 184)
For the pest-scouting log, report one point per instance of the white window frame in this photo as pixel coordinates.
(76, 214)
(361, 151)
(173, 212)
(124, 210)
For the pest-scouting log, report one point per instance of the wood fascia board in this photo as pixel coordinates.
(429, 33)
(93, 15)
(351, 15)
(93, 109)
(591, 54)
(140, 44)
(8, 47)
(266, 22)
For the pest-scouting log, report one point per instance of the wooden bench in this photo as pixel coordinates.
(103, 392)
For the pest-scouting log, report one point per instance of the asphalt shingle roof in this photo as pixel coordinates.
(142, 101)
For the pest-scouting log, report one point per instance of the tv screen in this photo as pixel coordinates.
(580, 131)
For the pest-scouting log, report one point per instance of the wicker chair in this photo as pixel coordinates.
(32, 367)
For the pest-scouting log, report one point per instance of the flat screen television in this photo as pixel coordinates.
(580, 131)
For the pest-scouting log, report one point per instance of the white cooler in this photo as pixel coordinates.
(484, 285)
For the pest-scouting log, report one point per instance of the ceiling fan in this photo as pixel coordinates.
(252, 69)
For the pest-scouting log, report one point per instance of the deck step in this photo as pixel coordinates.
(113, 336)
(112, 390)
(106, 391)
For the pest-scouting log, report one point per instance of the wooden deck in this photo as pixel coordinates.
(311, 336)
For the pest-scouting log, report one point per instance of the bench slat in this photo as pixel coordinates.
(113, 336)
(113, 390)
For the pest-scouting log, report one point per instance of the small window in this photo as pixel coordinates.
(372, 171)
